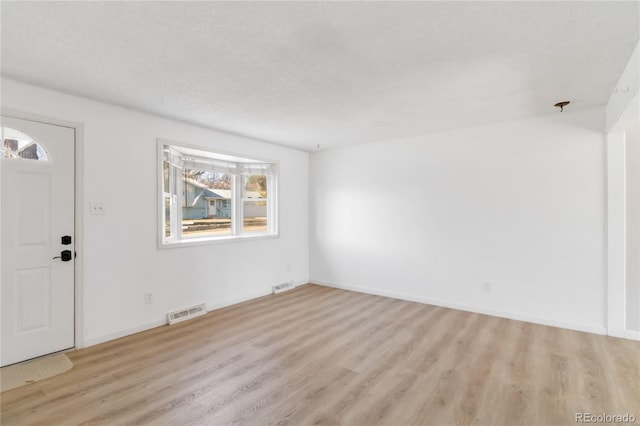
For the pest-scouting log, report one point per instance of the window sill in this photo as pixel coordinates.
(215, 240)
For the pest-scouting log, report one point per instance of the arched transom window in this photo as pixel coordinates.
(16, 145)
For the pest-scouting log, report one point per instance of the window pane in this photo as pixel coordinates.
(167, 217)
(16, 144)
(255, 186)
(254, 203)
(165, 174)
(255, 216)
(206, 207)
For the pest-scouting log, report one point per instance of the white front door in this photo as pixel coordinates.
(37, 211)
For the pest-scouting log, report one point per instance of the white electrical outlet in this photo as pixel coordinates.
(97, 208)
(486, 286)
(148, 298)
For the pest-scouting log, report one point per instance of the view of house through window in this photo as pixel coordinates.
(206, 203)
(210, 195)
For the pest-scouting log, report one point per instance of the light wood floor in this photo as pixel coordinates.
(317, 355)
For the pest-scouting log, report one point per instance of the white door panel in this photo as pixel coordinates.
(37, 210)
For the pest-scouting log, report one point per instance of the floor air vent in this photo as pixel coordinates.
(283, 287)
(186, 313)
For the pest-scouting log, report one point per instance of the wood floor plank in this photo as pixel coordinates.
(317, 355)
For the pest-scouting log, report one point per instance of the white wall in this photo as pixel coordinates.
(632, 151)
(519, 205)
(621, 101)
(120, 257)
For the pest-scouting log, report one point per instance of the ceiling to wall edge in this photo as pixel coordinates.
(313, 149)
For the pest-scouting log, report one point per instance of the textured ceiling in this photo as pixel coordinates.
(328, 73)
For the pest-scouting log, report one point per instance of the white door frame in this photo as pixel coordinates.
(78, 211)
(616, 221)
(616, 235)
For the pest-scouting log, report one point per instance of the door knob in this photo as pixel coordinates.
(65, 255)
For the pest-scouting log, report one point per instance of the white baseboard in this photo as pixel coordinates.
(236, 300)
(468, 308)
(118, 334)
(159, 323)
(632, 335)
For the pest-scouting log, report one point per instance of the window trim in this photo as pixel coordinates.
(237, 219)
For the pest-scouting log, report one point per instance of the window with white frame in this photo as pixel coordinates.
(206, 195)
